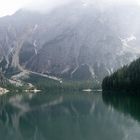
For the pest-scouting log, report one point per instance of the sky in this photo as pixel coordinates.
(8, 7)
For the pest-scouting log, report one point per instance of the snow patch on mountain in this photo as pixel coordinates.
(35, 46)
(127, 47)
(74, 71)
(92, 71)
(35, 27)
(66, 70)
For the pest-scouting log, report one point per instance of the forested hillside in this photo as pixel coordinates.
(126, 78)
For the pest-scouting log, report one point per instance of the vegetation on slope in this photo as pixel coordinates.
(126, 78)
(48, 84)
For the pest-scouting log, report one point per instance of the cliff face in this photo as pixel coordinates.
(72, 40)
(3, 80)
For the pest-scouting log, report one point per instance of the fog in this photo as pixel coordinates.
(11, 6)
(47, 5)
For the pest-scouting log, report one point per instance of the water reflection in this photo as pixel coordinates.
(63, 116)
(129, 104)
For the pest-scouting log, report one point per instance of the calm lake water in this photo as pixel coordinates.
(69, 116)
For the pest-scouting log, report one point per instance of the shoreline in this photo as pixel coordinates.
(3, 91)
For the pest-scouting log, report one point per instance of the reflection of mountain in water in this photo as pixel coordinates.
(44, 116)
(62, 116)
(129, 105)
(53, 116)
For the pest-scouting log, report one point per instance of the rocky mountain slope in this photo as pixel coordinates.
(75, 41)
(2, 79)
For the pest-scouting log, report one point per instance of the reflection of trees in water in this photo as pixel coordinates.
(128, 104)
(56, 116)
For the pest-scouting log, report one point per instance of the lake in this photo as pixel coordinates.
(61, 115)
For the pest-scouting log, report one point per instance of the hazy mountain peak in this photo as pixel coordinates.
(61, 42)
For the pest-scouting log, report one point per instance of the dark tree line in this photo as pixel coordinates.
(126, 78)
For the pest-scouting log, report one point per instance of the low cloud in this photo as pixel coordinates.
(46, 5)
(10, 6)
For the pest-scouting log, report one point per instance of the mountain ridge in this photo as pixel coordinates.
(60, 42)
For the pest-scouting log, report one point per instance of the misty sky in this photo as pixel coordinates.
(8, 7)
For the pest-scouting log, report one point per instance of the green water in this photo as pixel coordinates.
(69, 116)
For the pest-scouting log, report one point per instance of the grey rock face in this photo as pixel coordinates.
(72, 39)
(3, 80)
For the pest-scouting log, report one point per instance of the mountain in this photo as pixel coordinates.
(126, 78)
(75, 41)
(3, 80)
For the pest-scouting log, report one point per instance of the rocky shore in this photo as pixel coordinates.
(3, 91)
